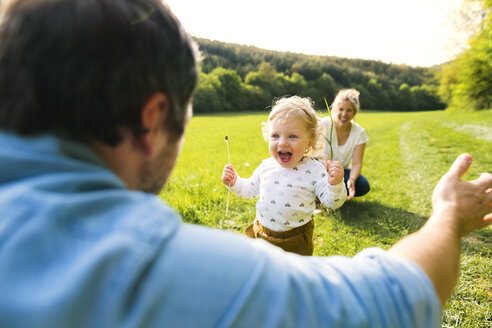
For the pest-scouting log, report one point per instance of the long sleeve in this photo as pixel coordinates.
(259, 285)
(76, 253)
(248, 188)
(330, 196)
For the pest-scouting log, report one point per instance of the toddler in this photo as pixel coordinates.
(288, 182)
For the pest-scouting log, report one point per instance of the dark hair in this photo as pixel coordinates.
(82, 69)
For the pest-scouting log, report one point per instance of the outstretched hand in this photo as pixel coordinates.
(335, 171)
(229, 175)
(350, 188)
(469, 201)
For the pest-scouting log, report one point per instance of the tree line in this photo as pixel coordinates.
(238, 78)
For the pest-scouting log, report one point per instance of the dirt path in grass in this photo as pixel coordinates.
(419, 165)
(479, 132)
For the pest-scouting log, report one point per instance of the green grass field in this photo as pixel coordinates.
(405, 157)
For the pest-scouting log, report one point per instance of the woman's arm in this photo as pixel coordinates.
(357, 157)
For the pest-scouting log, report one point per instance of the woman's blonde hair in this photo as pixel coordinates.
(298, 108)
(351, 95)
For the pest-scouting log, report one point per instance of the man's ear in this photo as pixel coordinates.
(153, 114)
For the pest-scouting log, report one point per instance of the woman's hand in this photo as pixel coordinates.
(351, 188)
(229, 175)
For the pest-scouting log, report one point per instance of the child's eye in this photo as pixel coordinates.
(274, 136)
(292, 136)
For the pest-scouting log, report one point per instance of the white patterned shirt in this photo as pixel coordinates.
(286, 195)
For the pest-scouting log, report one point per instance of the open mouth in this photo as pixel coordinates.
(284, 156)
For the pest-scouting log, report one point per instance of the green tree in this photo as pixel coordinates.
(255, 98)
(230, 88)
(295, 84)
(376, 97)
(425, 97)
(322, 87)
(466, 83)
(310, 69)
(206, 98)
(268, 79)
(405, 97)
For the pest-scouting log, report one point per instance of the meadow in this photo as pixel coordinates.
(405, 157)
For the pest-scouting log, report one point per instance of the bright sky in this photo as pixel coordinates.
(413, 32)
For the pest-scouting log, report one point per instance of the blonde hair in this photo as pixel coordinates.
(298, 108)
(351, 95)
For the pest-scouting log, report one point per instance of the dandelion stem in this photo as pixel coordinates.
(226, 139)
(330, 141)
(227, 144)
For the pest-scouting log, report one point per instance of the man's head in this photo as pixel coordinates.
(84, 69)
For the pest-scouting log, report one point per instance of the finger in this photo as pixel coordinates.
(484, 182)
(335, 168)
(332, 164)
(335, 165)
(460, 166)
(488, 198)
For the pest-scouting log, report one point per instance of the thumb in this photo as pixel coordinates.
(460, 166)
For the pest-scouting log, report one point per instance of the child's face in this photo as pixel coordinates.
(344, 113)
(288, 141)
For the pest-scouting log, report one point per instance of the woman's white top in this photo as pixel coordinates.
(344, 153)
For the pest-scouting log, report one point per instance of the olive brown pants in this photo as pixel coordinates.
(298, 240)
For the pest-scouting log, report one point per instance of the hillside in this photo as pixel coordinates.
(265, 74)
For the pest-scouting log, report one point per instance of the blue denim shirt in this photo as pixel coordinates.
(77, 249)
